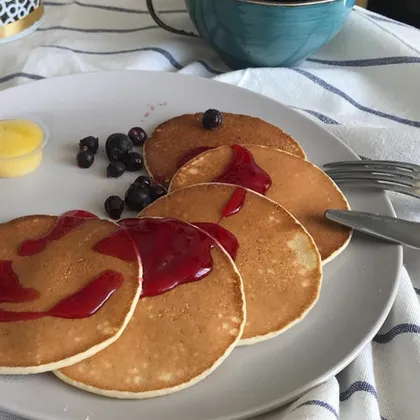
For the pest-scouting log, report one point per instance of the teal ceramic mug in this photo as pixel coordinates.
(265, 33)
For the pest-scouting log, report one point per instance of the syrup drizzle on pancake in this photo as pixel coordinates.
(172, 253)
(88, 300)
(235, 203)
(242, 170)
(10, 289)
(223, 236)
(65, 223)
(117, 245)
(84, 303)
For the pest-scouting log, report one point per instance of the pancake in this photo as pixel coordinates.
(183, 135)
(174, 339)
(61, 269)
(278, 260)
(299, 186)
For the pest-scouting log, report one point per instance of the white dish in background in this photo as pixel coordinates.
(358, 290)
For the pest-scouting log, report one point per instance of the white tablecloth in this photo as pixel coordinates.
(364, 86)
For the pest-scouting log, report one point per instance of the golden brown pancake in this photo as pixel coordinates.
(65, 266)
(177, 137)
(174, 339)
(278, 260)
(299, 186)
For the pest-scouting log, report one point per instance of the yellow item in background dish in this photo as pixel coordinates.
(21, 144)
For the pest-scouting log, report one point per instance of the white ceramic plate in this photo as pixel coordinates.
(358, 289)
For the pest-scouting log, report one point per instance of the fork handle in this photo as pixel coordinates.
(390, 229)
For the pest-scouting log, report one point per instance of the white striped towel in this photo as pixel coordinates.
(364, 86)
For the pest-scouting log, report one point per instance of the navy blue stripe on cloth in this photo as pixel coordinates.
(359, 386)
(356, 387)
(368, 62)
(319, 403)
(208, 68)
(397, 330)
(98, 31)
(160, 51)
(353, 102)
(25, 75)
(111, 8)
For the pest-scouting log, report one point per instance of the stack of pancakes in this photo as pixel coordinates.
(139, 348)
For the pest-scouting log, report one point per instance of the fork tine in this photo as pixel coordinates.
(384, 178)
(360, 183)
(383, 170)
(370, 163)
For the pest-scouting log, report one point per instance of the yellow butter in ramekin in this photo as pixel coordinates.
(21, 146)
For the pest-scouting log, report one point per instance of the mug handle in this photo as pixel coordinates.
(163, 25)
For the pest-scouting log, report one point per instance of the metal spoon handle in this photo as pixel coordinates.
(391, 229)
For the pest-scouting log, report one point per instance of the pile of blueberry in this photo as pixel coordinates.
(119, 150)
(142, 192)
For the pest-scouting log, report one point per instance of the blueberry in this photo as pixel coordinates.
(117, 146)
(137, 198)
(212, 119)
(85, 159)
(143, 182)
(137, 135)
(114, 206)
(157, 191)
(90, 142)
(115, 169)
(133, 161)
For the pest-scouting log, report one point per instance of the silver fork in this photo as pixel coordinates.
(401, 177)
